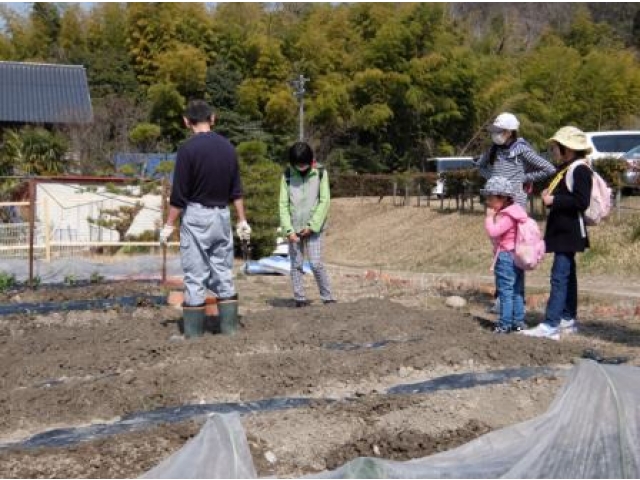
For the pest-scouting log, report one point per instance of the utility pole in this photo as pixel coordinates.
(298, 85)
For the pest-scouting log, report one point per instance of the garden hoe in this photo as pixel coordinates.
(246, 254)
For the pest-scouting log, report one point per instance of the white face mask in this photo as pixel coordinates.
(498, 138)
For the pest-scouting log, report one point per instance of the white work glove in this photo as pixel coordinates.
(243, 230)
(165, 233)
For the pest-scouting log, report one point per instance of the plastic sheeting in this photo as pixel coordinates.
(281, 265)
(64, 437)
(253, 267)
(220, 450)
(132, 267)
(61, 437)
(94, 304)
(591, 430)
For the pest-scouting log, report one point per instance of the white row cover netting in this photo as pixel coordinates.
(591, 430)
(130, 267)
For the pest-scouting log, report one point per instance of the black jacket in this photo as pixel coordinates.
(566, 231)
(206, 172)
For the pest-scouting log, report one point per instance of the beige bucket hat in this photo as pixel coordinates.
(573, 138)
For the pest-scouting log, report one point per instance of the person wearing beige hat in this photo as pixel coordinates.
(566, 232)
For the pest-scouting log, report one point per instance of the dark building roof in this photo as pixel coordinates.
(44, 93)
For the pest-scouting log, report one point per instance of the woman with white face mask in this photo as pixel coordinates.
(513, 158)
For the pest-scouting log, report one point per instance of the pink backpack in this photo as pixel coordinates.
(600, 203)
(530, 248)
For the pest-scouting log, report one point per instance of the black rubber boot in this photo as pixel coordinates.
(193, 321)
(228, 314)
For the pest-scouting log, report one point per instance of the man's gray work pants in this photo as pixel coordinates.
(206, 253)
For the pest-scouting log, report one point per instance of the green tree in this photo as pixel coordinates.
(195, 28)
(368, 18)
(24, 36)
(222, 85)
(35, 151)
(165, 168)
(271, 65)
(45, 19)
(635, 30)
(238, 128)
(119, 219)
(281, 112)
(252, 152)
(586, 35)
(607, 90)
(72, 38)
(233, 25)
(145, 136)
(109, 70)
(261, 183)
(185, 67)
(7, 51)
(253, 95)
(549, 75)
(167, 108)
(151, 30)
(391, 48)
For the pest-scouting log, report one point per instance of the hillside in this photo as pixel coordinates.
(364, 233)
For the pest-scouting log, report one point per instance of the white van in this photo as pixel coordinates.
(612, 144)
(439, 165)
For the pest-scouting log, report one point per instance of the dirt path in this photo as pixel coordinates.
(592, 285)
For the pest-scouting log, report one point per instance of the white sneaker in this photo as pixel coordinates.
(568, 326)
(542, 331)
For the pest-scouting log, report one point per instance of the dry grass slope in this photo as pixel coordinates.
(366, 233)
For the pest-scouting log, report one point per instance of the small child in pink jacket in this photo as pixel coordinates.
(501, 224)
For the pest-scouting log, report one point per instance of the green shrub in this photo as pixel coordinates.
(7, 281)
(96, 278)
(261, 183)
(610, 169)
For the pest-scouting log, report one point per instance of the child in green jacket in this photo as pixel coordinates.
(304, 206)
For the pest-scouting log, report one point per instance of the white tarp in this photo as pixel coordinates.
(220, 450)
(274, 264)
(591, 430)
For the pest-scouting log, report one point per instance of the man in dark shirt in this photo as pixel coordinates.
(206, 179)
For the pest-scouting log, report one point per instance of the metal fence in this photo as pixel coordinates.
(63, 217)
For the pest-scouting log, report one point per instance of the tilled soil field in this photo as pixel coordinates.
(76, 369)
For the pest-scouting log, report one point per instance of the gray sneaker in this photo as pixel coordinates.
(568, 326)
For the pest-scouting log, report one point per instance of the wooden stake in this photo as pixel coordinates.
(32, 221)
(164, 219)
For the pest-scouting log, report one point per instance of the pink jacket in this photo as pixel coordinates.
(502, 231)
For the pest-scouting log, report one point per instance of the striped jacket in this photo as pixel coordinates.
(517, 162)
